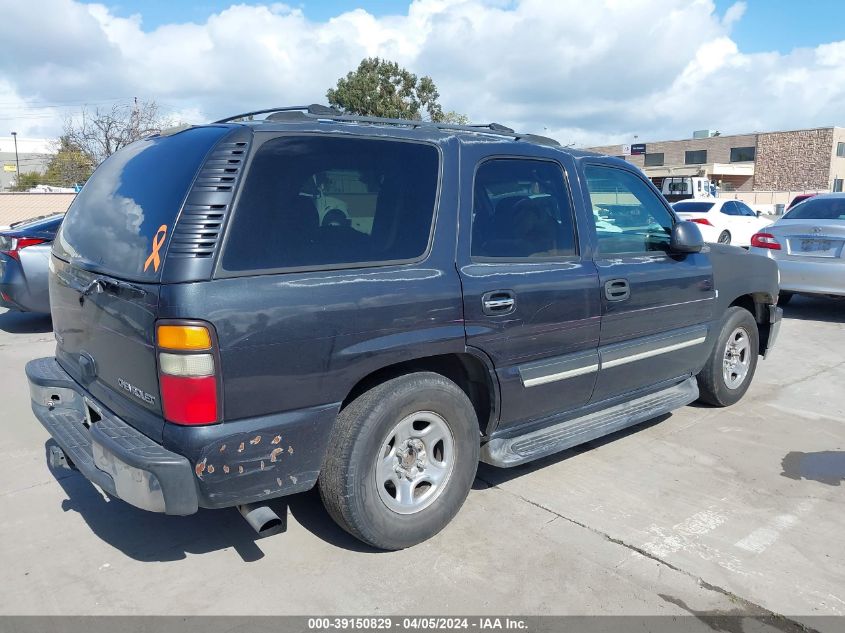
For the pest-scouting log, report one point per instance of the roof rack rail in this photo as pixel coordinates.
(314, 109)
(317, 111)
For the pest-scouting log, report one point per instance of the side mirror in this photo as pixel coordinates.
(686, 238)
(759, 213)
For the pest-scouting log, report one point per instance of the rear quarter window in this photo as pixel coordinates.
(692, 207)
(321, 201)
(114, 221)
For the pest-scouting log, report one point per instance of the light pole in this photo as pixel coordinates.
(17, 162)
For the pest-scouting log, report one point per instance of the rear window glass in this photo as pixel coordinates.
(313, 201)
(692, 207)
(818, 208)
(115, 223)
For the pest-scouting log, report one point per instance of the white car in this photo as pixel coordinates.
(808, 244)
(722, 220)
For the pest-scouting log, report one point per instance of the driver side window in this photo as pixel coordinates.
(629, 217)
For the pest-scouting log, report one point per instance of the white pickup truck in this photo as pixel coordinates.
(677, 188)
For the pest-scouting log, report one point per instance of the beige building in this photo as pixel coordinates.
(32, 155)
(773, 165)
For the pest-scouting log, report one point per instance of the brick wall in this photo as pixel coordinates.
(674, 152)
(793, 160)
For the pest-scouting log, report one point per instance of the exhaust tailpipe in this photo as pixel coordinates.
(262, 519)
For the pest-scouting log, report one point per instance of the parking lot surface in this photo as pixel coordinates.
(731, 511)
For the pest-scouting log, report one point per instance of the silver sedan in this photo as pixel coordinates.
(808, 244)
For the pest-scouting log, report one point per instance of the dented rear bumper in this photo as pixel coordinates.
(212, 466)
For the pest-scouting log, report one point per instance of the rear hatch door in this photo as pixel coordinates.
(107, 265)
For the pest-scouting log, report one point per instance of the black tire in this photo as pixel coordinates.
(784, 298)
(712, 384)
(724, 237)
(348, 484)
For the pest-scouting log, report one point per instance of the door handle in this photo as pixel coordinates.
(498, 302)
(617, 290)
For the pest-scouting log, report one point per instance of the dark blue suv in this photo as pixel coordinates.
(246, 309)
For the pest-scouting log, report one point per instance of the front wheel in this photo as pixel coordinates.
(401, 460)
(730, 367)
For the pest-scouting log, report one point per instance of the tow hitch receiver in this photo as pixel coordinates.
(58, 458)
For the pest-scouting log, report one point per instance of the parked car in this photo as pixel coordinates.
(222, 344)
(24, 257)
(807, 244)
(722, 220)
(801, 197)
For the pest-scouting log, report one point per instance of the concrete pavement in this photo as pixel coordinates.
(727, 511)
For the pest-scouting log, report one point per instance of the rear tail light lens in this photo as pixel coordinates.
(189, 401)
(703, 221)
(187, 374)
(765, 240)
(186, 364)
(183, 337)
(14, 245)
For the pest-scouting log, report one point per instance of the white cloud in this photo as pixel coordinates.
(734, 14)
(587, 71)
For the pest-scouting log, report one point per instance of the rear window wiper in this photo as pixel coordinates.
(112, 286)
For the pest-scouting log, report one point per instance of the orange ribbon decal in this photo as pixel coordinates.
(158, 242)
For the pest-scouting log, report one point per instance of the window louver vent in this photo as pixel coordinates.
(199, 227)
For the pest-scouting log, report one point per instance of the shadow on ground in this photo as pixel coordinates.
(829, 310)
(827, 467)
(25, 322)
(149, 536)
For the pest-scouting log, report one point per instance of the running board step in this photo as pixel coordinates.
(512, 451)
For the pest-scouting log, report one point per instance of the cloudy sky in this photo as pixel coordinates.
(584, 71)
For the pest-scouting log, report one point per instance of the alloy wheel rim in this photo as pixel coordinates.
(737, 358)
(415, 462)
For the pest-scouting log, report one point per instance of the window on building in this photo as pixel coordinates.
(654, 160)
(840, 150)
(837, 185)
(695, 157)
(742, 154)
(521, 210)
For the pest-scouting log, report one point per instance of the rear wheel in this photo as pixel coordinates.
(401, 460)
(733, 360)
(724, 237)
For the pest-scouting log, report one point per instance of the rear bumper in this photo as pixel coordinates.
(214, 466)
(15, 291)
(109, 452)
(812, 277)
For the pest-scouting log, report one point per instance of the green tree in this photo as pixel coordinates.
(27, 180)
(69, 165)
(455, 117)
(379, 87)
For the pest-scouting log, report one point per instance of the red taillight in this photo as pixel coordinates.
(189, 400)
(703, 221)
(765, 240)
(21, 242)
(188, 374)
